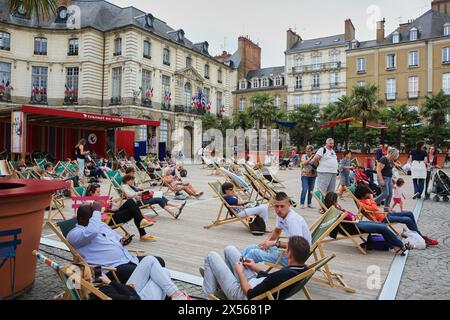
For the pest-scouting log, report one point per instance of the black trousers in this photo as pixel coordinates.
(127, 212)
(125, 271)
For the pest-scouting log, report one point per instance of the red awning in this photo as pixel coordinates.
(334, 123)
(70, 119)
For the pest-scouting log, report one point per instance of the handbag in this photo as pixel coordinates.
(147, 195)
(257, 226)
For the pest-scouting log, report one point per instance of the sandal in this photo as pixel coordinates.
(402, 251)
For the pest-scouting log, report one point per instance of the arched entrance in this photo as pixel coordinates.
(188, 144)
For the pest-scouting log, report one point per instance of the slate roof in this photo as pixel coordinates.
(318, 43)
(266, 72)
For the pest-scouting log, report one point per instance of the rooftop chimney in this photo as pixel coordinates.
(442, 6)
(349, 30)
(292, 38)
(380, 30)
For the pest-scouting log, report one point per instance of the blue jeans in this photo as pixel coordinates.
(258, 255)
(307, 187)
(386, 193)
(380, 228)
(419, 186)
(407, 218)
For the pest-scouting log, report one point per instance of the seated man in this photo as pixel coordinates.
(99, 245)
(233, 199)
(94, 171)
(288, 221)
(21, 166)
(242, 280)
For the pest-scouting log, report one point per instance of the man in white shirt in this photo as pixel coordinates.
(327, 168)
(288, 221)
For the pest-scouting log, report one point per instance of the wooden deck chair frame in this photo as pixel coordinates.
(299, 281)
(239, 187)
(229, 217)
(261, 192)
(345, 234)
(164, 184)
(370, 215)
(330, 278)
(275, 180)
(65, 273)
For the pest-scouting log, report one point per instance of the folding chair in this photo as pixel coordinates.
(8, 253)
(271, 178)
(231, 211)
(239, 183)
(295, 284)
(73, 282)
(4, 169)
(319, 231)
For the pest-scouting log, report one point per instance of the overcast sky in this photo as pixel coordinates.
(266, 21)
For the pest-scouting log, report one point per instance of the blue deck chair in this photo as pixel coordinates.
(8, 253)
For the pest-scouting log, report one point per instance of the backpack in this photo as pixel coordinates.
(257, 226)
(118, 291)
(183, 173)
(180, 196)
(377, 242)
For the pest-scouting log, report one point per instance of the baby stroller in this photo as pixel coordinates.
(441, 186)
(362, 178)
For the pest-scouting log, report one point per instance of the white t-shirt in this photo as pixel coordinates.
(294, 225)
(328, 162)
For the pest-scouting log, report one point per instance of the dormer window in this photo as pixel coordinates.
(413, 34)
(447, 29)
(265, 82)
(278, 81)
(255, 83)
(395, 37)
(149, 20)
(205, 47)
(243, 84)
(180, 35)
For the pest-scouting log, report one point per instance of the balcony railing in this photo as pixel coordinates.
(391, 96)
(317, 67)
(38, 98)
(189, 109)
(5, 95)
(40, 53)
(315, 86)
(413, 94)
(166, 106)
(70, 99)
(115, 101)
(334, 84)
(298, 88)
(116, 54)
(146, 102)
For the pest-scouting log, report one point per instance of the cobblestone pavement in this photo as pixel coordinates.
(47, 284)
(427, 272)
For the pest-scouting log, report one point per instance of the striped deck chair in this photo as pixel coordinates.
(319, 232)
(4, 169)
(231, 214)
(271, 178)
(239, 183)
(72, 282)
(40, 163)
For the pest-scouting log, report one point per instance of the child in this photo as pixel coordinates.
(399, 194)
(346, 166)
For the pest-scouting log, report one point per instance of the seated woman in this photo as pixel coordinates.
(94, 171)
(179, 185)
(133, 194)
(331, 199)
(49, 174)
(366, 200)
(127, 212)
(233, 199)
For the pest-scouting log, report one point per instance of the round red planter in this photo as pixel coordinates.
(22, 205)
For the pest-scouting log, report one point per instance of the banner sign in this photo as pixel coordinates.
(17, 132)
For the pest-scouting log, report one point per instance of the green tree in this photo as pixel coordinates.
(329, 113)
(209, 121)
(242, 120)
(264, 111)
(435, 110)
(306, 119)
(344, 110)
(41, 8)
(399, 116)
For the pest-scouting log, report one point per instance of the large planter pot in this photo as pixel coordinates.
(22, 205)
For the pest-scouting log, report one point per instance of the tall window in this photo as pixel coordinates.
(316, 100)
(361, 67)
(5, 40)
(316, 62)
(242, 105)
(316, 81)
(166, 56)
(334, 57)
(334, 79)
(277, 102)
(298, 100)
(446, 55)
(5, 80)
(391, 61)
(146, 87)
(188, 62)
(447, 30)
(299, 62)
(73, 47)
(116, 85)
(147, 50)
(187, 94)
(207, 94)
(40, 46)
(206, 71)
(298, 82)
(164, 131)
(413, 34)
(39, 84)
(413, 59)
(265, 82)
(219, 100)
(165, 89)
(219, 76)
(72, 75)
(391, 89)
(117, 47)
(413, 87)
(446, 83)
